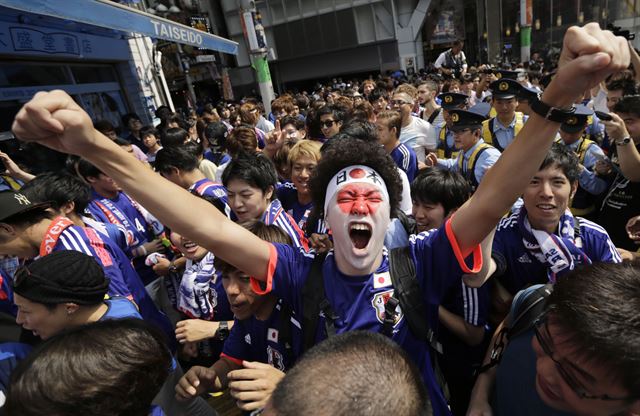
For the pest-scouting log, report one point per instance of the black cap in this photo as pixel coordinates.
(12, 203)
(578, 120)
(60, 277)
(451, 100)
(528, 94)
(506, 74)
(505, 88)
(461, 119)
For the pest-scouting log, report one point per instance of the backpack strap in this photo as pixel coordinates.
(469, 172)
(409, 295)
(315, 301)
(524, 316)
(433, 115)
(408, 223)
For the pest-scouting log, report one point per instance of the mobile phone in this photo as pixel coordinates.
(604, 116)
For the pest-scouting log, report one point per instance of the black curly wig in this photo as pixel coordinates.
(346, 150)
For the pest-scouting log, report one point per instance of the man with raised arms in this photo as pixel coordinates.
(358, 209)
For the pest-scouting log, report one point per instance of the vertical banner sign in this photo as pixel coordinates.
(262, 69)
(525, 36)
(526, 13)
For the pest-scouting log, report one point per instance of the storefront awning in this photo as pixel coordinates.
(111, 15)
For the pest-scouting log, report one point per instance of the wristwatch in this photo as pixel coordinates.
(559, 115)
(624, 141)
(222, 332)
(172, 267)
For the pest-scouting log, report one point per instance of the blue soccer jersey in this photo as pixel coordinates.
(276, 215)
(406, 160)
(288, 196)
(262, 341)
(359, 301)
(124, 281)
(216, 191)
(517, 268)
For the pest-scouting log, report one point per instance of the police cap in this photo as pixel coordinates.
(578, 120)
(505, 88)
(451, 100)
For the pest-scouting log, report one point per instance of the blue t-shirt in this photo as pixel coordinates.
(406, 160)
(120, 308)
(359, 301)
(11, 353)
(218, 158)
(255, 340)
(288, 196)
(517, 268)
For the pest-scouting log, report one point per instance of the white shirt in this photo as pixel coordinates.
(420, 136)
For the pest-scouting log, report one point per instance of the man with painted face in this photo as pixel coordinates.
(357, 189)
(450, 101)
(500, 130)
(475, 157)
(590, 185)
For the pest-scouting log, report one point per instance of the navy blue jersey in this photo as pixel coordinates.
(256, 340)
(406, 160)
(359, 301)
(288, 196)
(124, 281)
(120, 308)
(216, 191)
(6, 296)
(517, 268)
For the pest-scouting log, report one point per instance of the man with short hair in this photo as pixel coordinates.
(415, 132)
(578, 357)
(450, 101)
(500, 130)
(453, 61)
(475, 157)
(355, 364)
(331, 119)
(388, 126)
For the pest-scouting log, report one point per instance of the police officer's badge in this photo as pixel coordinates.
(448, 99)
(572, 121)
(498, 75)
(503, 86)
(379, 301)
(455, 117)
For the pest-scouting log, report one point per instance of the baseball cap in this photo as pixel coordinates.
(12, 203)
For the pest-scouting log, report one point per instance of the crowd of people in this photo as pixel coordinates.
(459, 243)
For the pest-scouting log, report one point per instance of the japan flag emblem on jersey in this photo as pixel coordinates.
(379, 301)
(272, 335)
(381, 280)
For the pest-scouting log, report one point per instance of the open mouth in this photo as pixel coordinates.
(360, 234)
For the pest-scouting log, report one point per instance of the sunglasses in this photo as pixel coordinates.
(327, 123)
(543, 336)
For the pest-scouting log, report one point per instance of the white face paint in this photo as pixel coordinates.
(358, 216)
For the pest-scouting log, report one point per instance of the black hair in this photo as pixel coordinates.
(376, 94)
(439, 186)
(174, 136)
(628, 105)
(103, 125)
(58, 188)
(110, 367)
(342, 367)
(253, 168)
(297, 122)
(596, 306)
(345, 150)
(564, 158)
(149, 130)
(28, 218)
(216, 134)
(128, 117)
(121, 142)
(182, 157)
(87, 170)
(333, 110)
(628, 86)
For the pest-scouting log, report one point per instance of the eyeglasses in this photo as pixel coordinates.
(544, 339)
(327, 123)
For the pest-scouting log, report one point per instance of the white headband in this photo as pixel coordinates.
(354, 174)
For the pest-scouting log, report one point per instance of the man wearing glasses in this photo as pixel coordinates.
(331, 119)
(415, 131)
(579, 357)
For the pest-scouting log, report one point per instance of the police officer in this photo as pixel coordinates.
(449, 101)
(572, 134)
(525, 96)
(475, 156)
(500, 130)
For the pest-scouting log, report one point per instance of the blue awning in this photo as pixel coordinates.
(111, 15)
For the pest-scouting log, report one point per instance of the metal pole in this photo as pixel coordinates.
(187, 77)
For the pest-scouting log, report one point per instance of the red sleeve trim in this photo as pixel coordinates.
(476, 252)
(230, 358)
(271, 269)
